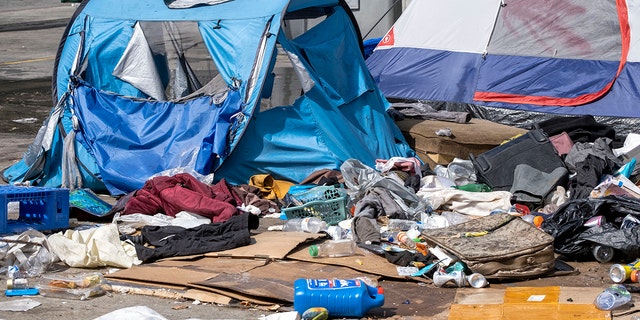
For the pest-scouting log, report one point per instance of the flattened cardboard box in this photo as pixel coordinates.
(535, 302)
(274, 282)
(179, 271)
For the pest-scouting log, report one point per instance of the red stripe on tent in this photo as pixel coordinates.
(388, 40)
(625, 33)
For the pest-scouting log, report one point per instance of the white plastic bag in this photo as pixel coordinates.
(29, 251)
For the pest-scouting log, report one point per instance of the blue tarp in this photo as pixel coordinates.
(122, 136)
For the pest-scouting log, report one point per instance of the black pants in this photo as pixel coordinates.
(173, 241)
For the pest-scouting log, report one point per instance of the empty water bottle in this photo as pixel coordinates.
(333, 249)
(337, 232)
(401, 224)
(309, 224)
(613, 297)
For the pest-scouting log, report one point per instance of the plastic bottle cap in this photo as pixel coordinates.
(634, 276)
(537, 221)
(313, 250)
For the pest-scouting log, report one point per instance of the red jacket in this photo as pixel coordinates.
(183, 192)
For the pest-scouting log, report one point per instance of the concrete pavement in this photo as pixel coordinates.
(30, 32)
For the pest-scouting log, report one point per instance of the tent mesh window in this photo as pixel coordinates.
(173, 54)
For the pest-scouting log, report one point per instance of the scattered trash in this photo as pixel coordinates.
(620, 273)
(337, 233)
(29, 253)
(444, 132)
(595, 221)
(316, 313)
(137, 312)
(307, 224)
(602, 253)
(80, 287)
(613, 297)
(457, 274)
(406, 271)
(18, 305)
(333, 249)
(291, 315)
(619, 185)
(21, 292)
(25, 120)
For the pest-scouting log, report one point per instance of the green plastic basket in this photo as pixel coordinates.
(318, 193)
(331, 211)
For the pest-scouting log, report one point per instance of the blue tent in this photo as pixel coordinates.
(147, 86)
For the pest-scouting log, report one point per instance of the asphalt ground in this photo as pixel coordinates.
(30, 32)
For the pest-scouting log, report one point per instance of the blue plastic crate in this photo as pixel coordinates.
(40, 208)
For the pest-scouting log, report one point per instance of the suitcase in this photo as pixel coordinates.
(499, 246)
(476, 136)
(496, 167)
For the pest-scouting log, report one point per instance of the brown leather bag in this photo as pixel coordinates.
(499, 246)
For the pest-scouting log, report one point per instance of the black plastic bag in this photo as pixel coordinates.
(574, 240)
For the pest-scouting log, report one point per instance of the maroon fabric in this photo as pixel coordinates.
(562, 142)
(183, 192)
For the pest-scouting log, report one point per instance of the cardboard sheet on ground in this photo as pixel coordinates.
(268, 245)
(364, 261)
(178, 274)
(274, 282)
(536, 302)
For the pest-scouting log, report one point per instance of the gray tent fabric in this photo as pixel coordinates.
(136, 66)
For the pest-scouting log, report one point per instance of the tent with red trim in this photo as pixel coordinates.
(561, 57)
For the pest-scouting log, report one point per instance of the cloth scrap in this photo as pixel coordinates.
(269, 187)
(95, 247)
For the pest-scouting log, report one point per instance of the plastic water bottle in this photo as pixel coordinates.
(613, 297)
(333, 249)
(309, 224)
(401, 224)
(351, 298)
(337, 232)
